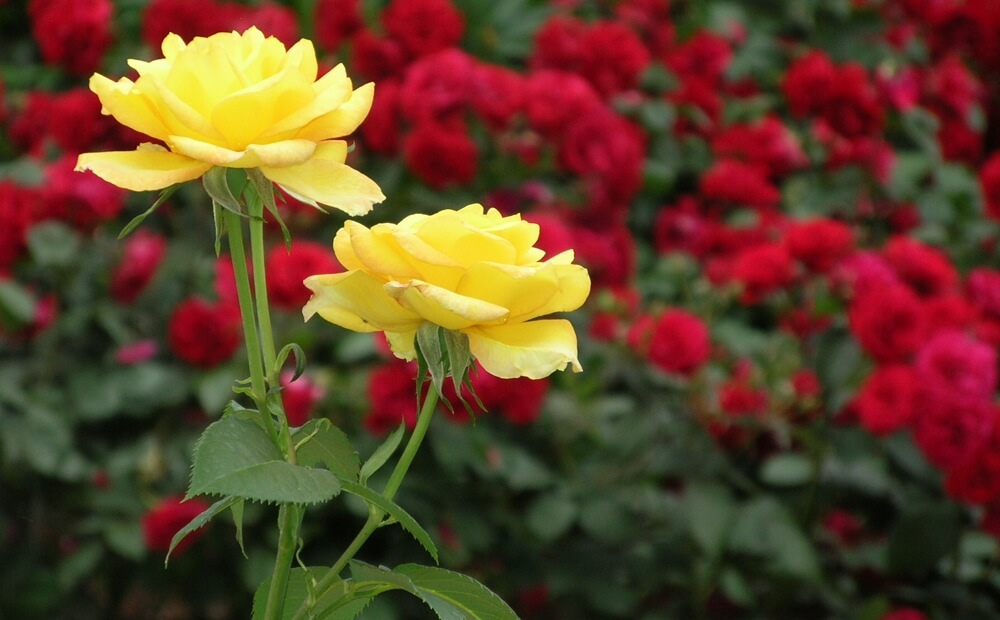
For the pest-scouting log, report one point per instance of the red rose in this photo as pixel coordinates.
(423, 26)
(819, 243)
(286, 269)
(441, 156)
(382, 129)
(187, 19)
(844, 527)
(497, 94)
(863, 272)
(651, 19)
(17, 215)
(952, 362)
(699, 107)
(29, 128)
(733, 183)
(762, 270)
(989, 181)
(983, 289)
(705, 56)
(556, 98)
(676, 341)
(608, 151)
(608, 253)
(808, 82)
(377, 58)
(559, 45)
(141, 256)
(904, 613)
(299, 397)
(166, 518)
(270, 18)
(767, 143)
(976, 481)
(391, 397)
(887, 400)
(437, 88)
(952, 430)
(889, 323)
(738, 398)
(204, 334)
(72, 34)
(83, 200)
(613, 57)
(926, 269)
(336, 22)
(851, 106)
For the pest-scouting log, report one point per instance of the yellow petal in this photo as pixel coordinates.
(402, 345)
(356, 301)
(142, 169)
(443, 307)
(249, 113)
(573, 284)
(330, 92)
(535, 349)
(519, 289)
(342, 247)
(277, 154)
(328, 182)
(128, 106)
(463, 241)
(375, 250)
(343, 120)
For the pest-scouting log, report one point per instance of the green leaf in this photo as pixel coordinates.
(551, 516)
(17, 305)
(300, 358)
(709, 510)
(454, 596)
(340, 602)
(789, 469)
(235, 456)
(381, 454)
(137, 220)
(216, 183)
(265, 190)
(237, 509)
(431, 349)
(395, 511)
(200, 521)
(53, 244)
(764, 527)
(327, 445)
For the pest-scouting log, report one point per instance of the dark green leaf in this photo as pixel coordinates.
(455, 596)
(788, 469)
(53, 244)
(299, 355)
(216, 183)
(709, 510)
(17, 305)
(235, 456)
(329, 446)
(201, 520)
(923, 536)
(392, 509)
(381, 454)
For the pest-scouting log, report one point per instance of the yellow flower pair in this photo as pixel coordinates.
(244, 101)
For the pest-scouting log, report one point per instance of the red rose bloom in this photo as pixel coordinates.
(863, 272)
(613, 58)
(819, 243)
(983, 290)
(559, 45)
(141, 256)
(270, 18)
(187, 19)
(382, 129)
(391, 397)
(336, 22)
(437, 88)
(423, 26)
(555, 98)
(904, 613)
(924, 268)
(441, 156)
(889, 323)
(83, 200)
(651, 19)
(705, 56)
(299, 397)
(497, 94)
(676, 342)
(738, 398)
(377, 58)
(952, 362)
(851, 106)
(608, 151)
(976, 481)
(808, 82)
(16, 204)
(204, 334)
(952, 430)
(286, 269)
(732, 183)
(608, 253)
(989, 181)
(887, 400)
(72, 34)
(762, 270)
(166, 518)
(767, 143)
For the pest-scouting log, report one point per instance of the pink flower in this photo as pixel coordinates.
(141, 257)
(136, 352)
(299, 397)
(954, 363)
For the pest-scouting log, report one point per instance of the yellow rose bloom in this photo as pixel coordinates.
(469, 271)
(238, 101)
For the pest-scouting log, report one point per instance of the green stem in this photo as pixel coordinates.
(234, 227)
(289, 520)
(375, 515)
(256, 210)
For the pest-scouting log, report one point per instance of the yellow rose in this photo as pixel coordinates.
(468, 271)
(238, 101)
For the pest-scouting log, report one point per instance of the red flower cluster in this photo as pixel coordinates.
(166, 518)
